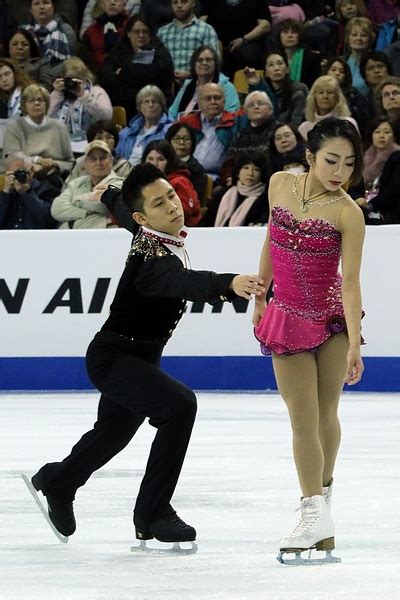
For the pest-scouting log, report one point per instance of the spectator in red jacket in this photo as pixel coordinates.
(102, 35)
(162, 154)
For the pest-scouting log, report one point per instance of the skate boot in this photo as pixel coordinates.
(168, 528)
(327, 493)
(316, 530)
(60, 513)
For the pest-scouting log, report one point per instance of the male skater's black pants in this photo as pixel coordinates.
(132, 388)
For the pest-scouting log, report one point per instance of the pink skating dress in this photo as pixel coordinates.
(307, 305)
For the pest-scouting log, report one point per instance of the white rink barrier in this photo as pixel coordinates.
(56, 288)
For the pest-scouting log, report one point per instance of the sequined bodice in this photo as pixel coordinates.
(305, 257)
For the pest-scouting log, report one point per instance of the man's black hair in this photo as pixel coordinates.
(141, 176)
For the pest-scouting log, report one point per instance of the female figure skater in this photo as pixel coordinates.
(312, 325)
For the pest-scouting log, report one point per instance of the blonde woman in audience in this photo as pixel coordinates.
(359, 38)
(93, 9)
(44, 139)
(325, 99)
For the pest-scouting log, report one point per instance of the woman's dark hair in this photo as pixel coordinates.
(166, 149)
(34, 50)
(297, 154)
(378, 121)
(377, 56)
(246, 157)
(173, 130)
(332, 127)
(124, 43)
(99, 127)
(347, 82)
(287, 84)
(191, 87)
(195, 56)
(286, 25)
(140, 177)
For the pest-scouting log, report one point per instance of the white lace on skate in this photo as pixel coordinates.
(315, 530)
(310, 515)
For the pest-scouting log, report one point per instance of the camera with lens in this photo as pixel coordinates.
(21, 175)
(71, 86)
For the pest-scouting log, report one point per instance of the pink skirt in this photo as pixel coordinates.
(284, 332)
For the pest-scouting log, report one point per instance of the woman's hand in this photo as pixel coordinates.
(247, 286)
(59, 85)
(251, 76)
(258, 312)
(355, 366)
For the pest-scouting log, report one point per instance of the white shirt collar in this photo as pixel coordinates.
(179, 251)
(36, 125)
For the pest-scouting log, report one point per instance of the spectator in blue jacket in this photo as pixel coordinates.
(151, 123)
(205, 67)
(24, 202)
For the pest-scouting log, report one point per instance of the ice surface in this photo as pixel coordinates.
(238, 488)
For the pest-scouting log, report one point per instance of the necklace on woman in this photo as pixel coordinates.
(304, 202)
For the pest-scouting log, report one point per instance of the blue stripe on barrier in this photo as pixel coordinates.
(382, 374)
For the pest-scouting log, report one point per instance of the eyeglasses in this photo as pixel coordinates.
(34, 100)
(204, 60)
(181, 138)
(257, 103)
(392, 94)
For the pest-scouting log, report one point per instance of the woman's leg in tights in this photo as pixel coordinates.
(331, 361)
(311, 385)
(297, 379)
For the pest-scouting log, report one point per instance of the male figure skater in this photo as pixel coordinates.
(123, 363)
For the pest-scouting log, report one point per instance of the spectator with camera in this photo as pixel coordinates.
(77, 101)
(25, 203)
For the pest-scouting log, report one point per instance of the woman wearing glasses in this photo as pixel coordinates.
(138, 59)
(45, 140)
(387, 97)
(205, 66)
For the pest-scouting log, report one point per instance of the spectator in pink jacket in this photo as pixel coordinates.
(77, 101)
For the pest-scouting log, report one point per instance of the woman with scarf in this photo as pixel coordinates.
(77, 101)
(55, 38)
(12, 80)
(245, 203)
(102, 35)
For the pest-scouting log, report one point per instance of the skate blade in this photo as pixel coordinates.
(299, 560)
(43, 510)
(175, 549)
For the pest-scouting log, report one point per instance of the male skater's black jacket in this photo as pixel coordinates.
(153, 289)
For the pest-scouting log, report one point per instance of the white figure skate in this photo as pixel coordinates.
(327, 493)
(316, 530)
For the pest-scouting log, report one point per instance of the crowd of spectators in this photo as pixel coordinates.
(219, 94)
